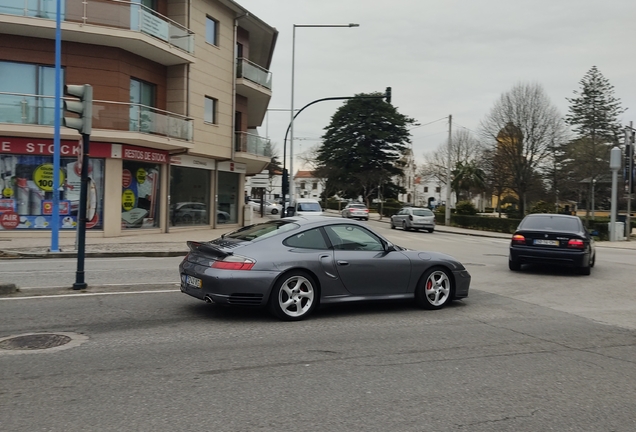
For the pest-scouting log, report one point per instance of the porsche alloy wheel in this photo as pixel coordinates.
(435, 289)
(293, 297)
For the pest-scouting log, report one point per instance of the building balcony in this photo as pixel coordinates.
(120, 122)
(116, 23)
(255, 83)
(252, 150)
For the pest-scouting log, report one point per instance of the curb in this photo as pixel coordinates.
(116, 254)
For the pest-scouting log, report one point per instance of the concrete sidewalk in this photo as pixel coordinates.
(173, 243)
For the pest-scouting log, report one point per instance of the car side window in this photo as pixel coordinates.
(353, 237)
(311, 239)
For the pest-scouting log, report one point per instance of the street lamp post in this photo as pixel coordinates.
(291, 111)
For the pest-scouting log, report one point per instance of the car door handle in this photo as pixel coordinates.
(343, 263)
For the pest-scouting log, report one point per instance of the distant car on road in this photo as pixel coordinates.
(414, 218)
(306, 207)
(355, 211)
(291, 265)
(558, 239)
(269, 207)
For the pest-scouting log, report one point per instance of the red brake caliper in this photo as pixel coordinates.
(429, 285)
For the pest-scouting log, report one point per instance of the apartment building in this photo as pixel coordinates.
(179, 88)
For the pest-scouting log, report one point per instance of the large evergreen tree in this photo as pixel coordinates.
(594, 112)
(593, 115)
(364, 145)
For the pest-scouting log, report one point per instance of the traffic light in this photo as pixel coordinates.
(387, 95)
(83, 107)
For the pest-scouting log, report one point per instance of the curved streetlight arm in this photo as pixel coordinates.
(285, 185)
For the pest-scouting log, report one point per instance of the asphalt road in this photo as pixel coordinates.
(523, 353)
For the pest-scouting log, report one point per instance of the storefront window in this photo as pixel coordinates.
(140, 195)
(26, 190)
(228, 197)
(189, 196)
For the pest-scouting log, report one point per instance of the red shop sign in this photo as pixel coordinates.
(144, 154)
(9, 220)
(45, 147)
(126, 178)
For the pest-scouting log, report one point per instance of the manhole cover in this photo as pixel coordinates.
(40, 342)
(34, 342)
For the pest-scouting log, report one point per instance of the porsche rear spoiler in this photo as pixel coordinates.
(208, 249)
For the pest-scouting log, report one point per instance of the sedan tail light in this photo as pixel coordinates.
(518, 239)
(576, 243)
(233, 262)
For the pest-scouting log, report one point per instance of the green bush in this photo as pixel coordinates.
(465, 208)
(542, 207)
(485, 223)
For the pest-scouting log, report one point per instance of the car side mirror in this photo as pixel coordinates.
(389, 247)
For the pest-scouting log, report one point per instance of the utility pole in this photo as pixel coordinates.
(629, 149)
(447, 216)
(615, 165)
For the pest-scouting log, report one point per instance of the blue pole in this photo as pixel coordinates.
(55, 216)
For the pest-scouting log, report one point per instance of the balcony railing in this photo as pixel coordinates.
(110, 13)
(253, 144)
(253, 72)
(32, 109)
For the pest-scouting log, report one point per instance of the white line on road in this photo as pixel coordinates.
(109, 285)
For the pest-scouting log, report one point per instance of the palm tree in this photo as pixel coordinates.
(467, 176)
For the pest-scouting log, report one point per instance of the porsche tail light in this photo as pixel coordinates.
(233, 262)
(518, 239)
(576, 244)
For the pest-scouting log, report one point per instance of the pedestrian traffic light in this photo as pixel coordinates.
(83, 107)
(387, 95)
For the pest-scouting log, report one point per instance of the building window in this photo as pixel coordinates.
(209, 115)
(189, 196)
(142, 102)
(302, 185)
(18, 104)
(211, 31)
(438, 189)
(425, 188)
(140, 195)
(314, 186)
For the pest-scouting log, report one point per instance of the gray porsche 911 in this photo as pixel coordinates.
(293, 264)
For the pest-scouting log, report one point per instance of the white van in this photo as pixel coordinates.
(307, 207)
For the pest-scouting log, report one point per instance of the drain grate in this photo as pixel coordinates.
(34, 342)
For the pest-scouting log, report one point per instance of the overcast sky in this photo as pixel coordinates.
(441, 57)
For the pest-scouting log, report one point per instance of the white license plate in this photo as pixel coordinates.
(546, 242)
(191, 281)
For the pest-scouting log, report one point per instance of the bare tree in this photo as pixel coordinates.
(465, 148)
(524, 127)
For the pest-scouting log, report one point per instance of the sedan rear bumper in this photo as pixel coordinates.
(526, 255)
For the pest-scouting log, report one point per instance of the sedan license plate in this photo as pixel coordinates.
(191, 281)
(543, 242)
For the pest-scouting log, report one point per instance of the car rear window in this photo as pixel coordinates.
(309, 207)
(551, 223)
(262, 230)
(358, 205)
(422, 212)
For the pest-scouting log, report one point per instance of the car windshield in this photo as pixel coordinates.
(309, 207)
(550, 223)
(262, 230)
(422, 212)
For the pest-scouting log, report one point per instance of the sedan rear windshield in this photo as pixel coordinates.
(422, 212)
(551, 223)
(309, 207)
(262, 230)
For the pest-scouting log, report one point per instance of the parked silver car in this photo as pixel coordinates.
(414, 218)
(291, 265)
(268, 207)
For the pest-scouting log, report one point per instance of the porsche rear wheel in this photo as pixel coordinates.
(436, 289)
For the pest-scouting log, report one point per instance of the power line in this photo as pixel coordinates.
(426, 124)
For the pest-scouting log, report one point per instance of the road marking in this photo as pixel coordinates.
(89, 294)
(109, 285)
